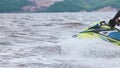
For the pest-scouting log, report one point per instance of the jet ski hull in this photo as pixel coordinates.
(109, 35)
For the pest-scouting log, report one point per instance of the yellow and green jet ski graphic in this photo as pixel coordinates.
(102, 32)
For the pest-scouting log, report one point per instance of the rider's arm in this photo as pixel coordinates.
(117, 15)
(112, 22)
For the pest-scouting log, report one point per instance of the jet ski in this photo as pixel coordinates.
(101, 30)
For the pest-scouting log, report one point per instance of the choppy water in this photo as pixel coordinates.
(44, 40)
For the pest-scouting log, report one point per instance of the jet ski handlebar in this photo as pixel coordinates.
(102, 23)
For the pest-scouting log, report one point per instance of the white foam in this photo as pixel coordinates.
(89, 47)
(94, 53)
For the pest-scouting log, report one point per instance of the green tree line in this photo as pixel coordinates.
(78, 5)
(12, 5)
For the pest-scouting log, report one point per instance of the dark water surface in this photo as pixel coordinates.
(44, 40)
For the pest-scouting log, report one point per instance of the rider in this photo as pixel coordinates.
(112, 22)
(115, 20)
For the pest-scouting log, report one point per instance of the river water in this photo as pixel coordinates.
(44, 40)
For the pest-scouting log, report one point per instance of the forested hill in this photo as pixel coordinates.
(25, 5)
(55, 5)
(12, 5)
(80, 5)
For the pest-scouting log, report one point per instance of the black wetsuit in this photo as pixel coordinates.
(112, 22)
